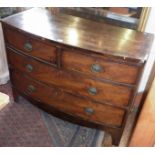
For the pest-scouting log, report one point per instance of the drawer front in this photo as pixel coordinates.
(30, 46)
(74, 83)
(98, 67)
(66, 102)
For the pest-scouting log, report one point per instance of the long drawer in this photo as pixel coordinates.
(66, 102)
(30, 46)
(99, 67)
(74, 83)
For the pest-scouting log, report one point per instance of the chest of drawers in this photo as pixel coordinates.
(77, 69)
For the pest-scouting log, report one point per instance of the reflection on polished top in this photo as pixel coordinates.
(83, 33)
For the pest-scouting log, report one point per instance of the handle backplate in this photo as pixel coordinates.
(31, 89)
(89, 111)
(96, 68)
(29, 68)
(28, 46)
(92, 90)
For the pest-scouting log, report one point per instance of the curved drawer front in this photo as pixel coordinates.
(98, 67)
(30, 46)
(74, 83)
(66, 102)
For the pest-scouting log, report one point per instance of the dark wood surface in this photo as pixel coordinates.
(68, 103)
(74, 83)
(125, 73)
(39, 49)
(84, 69)
(115, 132)
(85, 34)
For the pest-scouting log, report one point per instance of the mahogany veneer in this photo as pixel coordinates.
(75, 67)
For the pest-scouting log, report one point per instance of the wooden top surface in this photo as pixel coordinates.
(82, 33)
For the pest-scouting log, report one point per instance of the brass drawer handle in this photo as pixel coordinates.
(31, 89)
(96, 68)
(89, 111)
(29, 68)
(92, 90)
(28, 47)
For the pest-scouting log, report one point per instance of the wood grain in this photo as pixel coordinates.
(39, 49)
(74, 83)
(80, 68)
(84, 34)
(68, 103)
(125, 73)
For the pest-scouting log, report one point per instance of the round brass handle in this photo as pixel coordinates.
(92, 90)
(96, 68)
(89, 111)
(31, 89)
(28, 47)
(29, 68)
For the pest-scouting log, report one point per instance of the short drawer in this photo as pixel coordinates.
(67, 103)
(99, 67)
(30, 46)
(73, 83)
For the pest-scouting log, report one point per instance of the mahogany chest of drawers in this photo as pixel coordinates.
(77, 69)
